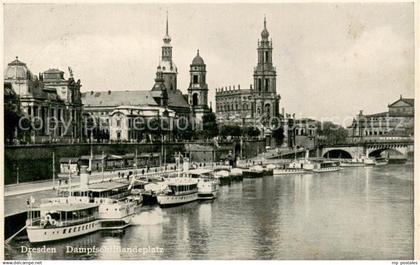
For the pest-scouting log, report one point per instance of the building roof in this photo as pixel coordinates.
(130, 98)
(95, 157)
(53, 71)
(118, 98)
(237, 91)
(389, 114)
(71, 160)
(177, 100)
(107, 185)
(16, 70)
(409, 101)
(197, 59)
(68, 207)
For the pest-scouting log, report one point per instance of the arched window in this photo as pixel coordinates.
(267, 109)
(245, 107)
(195, 99)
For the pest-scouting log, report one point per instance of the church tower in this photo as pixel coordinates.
(160, 94)
(198, 89)
(167, 66)
(265, 93)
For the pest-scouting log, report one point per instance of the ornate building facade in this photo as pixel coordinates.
(50, 101)
(398, 121)
(113, 110)
(258, 104)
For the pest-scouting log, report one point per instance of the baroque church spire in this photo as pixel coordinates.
(167, 38)
(264, 33)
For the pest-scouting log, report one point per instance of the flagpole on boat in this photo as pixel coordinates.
(53, 170)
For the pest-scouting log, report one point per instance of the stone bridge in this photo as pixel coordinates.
(374, 148)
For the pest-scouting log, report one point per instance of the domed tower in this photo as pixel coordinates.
(198, 89)
(20, 78)
(265, 94)
(167, 66)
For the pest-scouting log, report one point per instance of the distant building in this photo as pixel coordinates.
(304, 133)
(398, 121)
(260, 102)
(129, 123)
(198, 89)
(50, 101)
(115, 110)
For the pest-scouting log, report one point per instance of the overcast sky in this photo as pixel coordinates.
(331, 59)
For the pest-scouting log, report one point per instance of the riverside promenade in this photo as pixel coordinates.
(16, 195)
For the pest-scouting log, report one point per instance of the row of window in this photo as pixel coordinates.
(75, 229)
(235, 98)
(34, 110)
(233, 107)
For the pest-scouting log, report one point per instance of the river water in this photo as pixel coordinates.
(355, 213)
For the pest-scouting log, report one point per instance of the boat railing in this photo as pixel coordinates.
(61, 200)
(33, 221)
(60, 223)
(77, 221)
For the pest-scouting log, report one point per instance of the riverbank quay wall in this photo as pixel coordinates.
(34, 162)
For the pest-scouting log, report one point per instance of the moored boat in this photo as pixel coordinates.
(369, 161)
(207, 189)
(288, 171)
(179, 191)
(223, 177)
(268, 169)
(354, 162)
(381, 161)
(56, 221)
(326, 166)
(236, 174)
(254, 172)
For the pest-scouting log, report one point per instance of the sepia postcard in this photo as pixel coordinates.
(209, 131)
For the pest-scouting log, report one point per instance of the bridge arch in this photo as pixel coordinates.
(377, 152)
(337, 153)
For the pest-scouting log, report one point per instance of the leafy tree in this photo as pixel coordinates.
(251, 131)
(184, 130)
(332, 133)
(210, 127)
(12, 116)
(278, 135)
(230, 130)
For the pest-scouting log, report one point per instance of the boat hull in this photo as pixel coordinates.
(329, 169)
(149, 198)
(252, 174)
(343, 164)
(291, 171)
(38, 234)
(173, 200)
(224, 180)
(207, 196)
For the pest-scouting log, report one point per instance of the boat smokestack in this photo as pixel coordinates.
(307, 154)
(186, 165)
(84, 178)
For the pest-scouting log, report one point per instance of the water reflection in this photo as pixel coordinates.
(356, 213)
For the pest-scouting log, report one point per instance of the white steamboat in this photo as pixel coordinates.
(179, 190)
